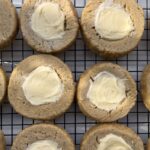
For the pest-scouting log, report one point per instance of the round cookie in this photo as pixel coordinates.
(44, 134)
(3, 84)
(111, 136)
(148, 145)
(106, 92)
(109, 37)
(145, 87)
(41, 87)
(2, 141)
(8, 23)
(49, 36)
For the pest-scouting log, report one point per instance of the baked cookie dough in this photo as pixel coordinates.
(106, 92)
(8, 23)
(49, 26)
(2, 141)
(111, 137)
(112, 28)
(148, 145)
(145, 87)
(41, 87)
(43, 136)
(3, 84)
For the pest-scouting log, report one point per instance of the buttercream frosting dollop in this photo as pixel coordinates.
(106, 91)
(48, 21)
(113, 142)
(42, 86)
(44, 145)
(112, 21)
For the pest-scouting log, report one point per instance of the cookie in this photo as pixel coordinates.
(111, 136)
(9, 23)
(106, 92)
(41, 87)
(145, 88)
(112, 28)
(42, 136)
(49, 35)
(2, 141)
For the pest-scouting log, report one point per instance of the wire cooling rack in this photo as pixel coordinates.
(79, 58)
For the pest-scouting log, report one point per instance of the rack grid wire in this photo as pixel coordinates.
(79, 58)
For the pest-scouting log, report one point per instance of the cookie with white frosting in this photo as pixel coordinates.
(41, 87)
(111, 137)
(112, 28)
(49, 26)
(106, 92)
(2, 141)
(43, 137)
(8, 23)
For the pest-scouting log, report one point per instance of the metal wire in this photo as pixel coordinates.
(79, 58)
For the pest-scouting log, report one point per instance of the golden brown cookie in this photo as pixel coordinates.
(35, 37)
(41, 87)
(148, 145)
(111, 135)
(43, 134)
(9, 23)
(145, 87)
(99, 95)
(2, 141)
(112, 48)
(3, 84)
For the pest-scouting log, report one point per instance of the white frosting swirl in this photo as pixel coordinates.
(44, 145)
(42, 86)
(48, 21)
(112, 21)
(113, 142)
(106, 91)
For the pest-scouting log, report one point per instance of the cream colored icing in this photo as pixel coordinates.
(106, 91)
(113, 142)
(44, 145)
(112, 22)
(42, 86)
(48, 21)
